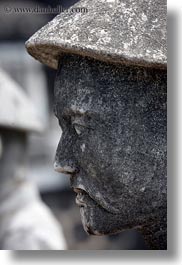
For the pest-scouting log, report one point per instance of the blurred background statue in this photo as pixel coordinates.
(26, 223)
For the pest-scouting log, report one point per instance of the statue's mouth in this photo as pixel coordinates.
(80, 198)
(86, 198)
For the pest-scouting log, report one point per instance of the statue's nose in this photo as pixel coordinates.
(64, 159)
(65, 169)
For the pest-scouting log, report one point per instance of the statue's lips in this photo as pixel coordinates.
(81, 190)
(80, 198)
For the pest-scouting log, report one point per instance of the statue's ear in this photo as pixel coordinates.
(1, 146)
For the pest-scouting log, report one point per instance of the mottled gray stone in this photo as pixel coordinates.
(114, 144)
(124, 31)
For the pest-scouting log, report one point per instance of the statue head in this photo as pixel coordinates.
(113, 144)
(110, 100)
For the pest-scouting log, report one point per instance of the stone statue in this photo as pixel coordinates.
(110, 100)
(26, 223)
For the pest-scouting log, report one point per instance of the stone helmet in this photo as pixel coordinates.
(117, 31)
(17, 112)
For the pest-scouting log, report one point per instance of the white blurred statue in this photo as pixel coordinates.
(26, 223)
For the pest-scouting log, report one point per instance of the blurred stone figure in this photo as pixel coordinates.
(110, 100)
(25, 222)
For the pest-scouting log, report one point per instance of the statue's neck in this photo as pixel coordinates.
(12, 162)
(10, 182)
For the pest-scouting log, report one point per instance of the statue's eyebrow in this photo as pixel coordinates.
(75, 112)
(71, 112)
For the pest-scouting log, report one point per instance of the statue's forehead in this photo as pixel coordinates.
(75, 86)
(76, 104)
(85, 84)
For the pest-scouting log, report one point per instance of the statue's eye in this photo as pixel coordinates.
(79, 128)
(80, 124)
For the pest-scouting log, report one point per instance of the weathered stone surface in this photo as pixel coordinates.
(16, 110)
(114, 144)
(124, 31)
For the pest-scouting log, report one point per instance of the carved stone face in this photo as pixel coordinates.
(113, 145)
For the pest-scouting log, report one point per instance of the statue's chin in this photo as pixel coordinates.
(97, 221)
(87, 218)
(92, 220)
